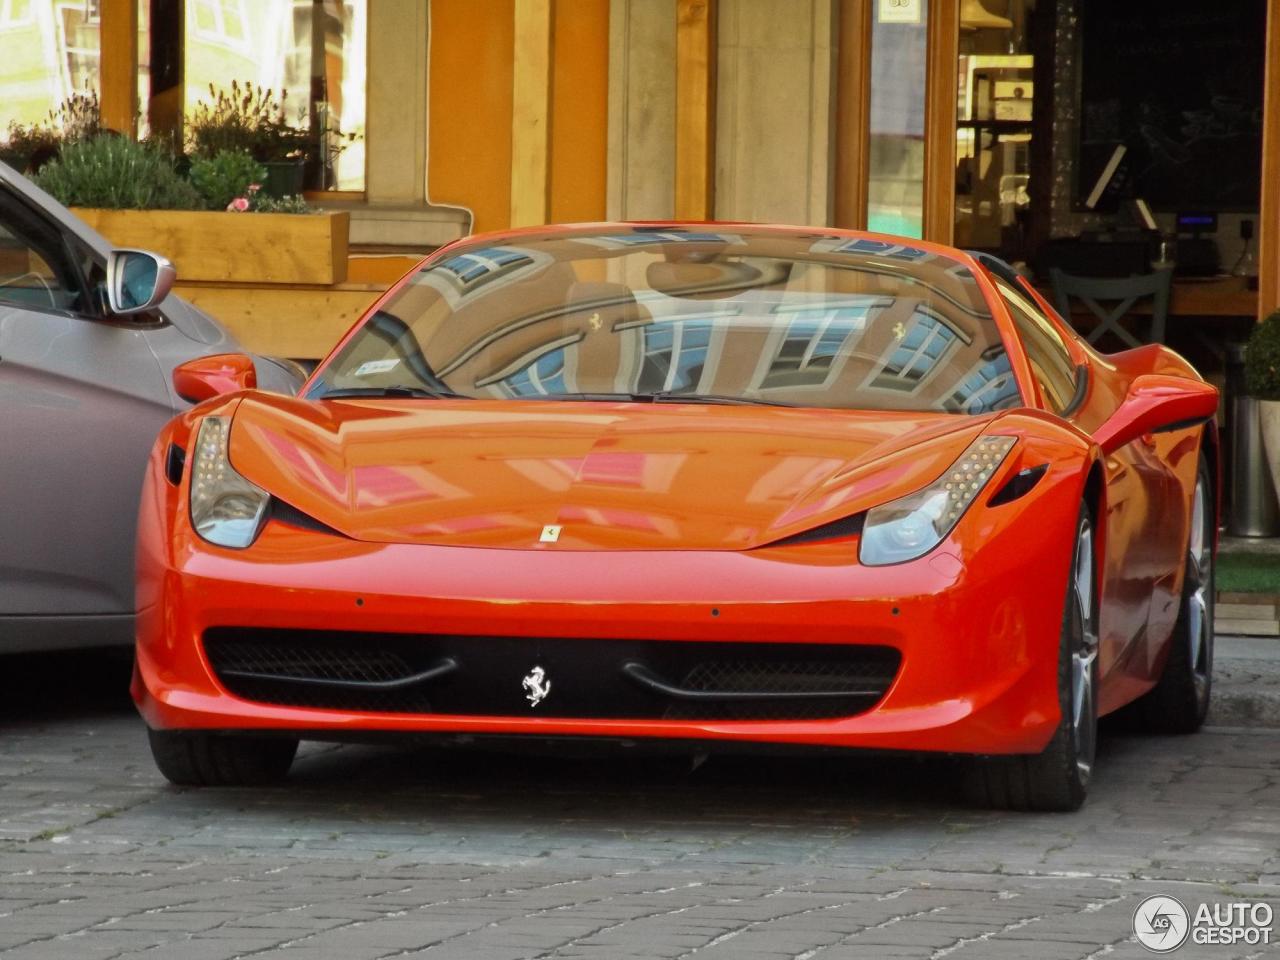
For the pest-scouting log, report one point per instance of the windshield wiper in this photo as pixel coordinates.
(661, 396)
(339, 393)
(668, 396)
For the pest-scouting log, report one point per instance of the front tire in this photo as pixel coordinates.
(1057, 779)
(1179, 702)
(192, 759)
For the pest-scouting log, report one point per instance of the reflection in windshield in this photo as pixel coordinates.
(758, 315)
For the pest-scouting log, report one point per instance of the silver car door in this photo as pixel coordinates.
(81, 401)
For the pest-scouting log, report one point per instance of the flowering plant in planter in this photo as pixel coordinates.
(28, 147)
(252, 119)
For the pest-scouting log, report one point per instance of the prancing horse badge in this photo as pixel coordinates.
(536, 686)
(550, 534)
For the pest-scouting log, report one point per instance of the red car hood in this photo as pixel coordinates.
(610, 475)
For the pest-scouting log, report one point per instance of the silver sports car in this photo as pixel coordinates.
(89, 336)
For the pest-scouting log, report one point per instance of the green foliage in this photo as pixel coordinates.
(263, 203)
(248, 119)
(27, 146)
(226, 175)
(1262, 360)
(1248, 573)
(115, 173)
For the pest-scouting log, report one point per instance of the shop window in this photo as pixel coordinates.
(994, 127)
(895, 195)
(311, 52)
(33, 86)
(14, 13)
(219, 20)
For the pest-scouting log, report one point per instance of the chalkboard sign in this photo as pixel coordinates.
(1180, 83)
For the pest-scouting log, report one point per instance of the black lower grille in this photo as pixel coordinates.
(583, 678)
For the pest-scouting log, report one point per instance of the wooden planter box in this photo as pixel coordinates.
(208, 246)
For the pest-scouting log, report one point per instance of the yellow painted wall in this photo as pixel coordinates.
(469, 161)
(579, 110)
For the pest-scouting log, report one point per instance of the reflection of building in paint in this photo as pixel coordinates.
(815, 340)
(645, 238)
(917, 355)
(989, 385)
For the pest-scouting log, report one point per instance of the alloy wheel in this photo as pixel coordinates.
(1084, 654)
(1198, 613)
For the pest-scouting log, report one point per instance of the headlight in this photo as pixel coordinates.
(913, 525)
(226, 509)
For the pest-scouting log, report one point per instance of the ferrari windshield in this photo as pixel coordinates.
(645, 314)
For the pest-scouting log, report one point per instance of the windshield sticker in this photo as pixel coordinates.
(371, 367)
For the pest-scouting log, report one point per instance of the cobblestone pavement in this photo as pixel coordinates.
(378, 852)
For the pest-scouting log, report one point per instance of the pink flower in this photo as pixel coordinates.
(254, 188)
(238, 205)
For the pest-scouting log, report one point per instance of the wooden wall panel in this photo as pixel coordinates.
(941, 90)
(579, 110)
(119, 70)
(695, 109)
(1269, 217)
(471, 86)
(530, 112)
(853, 113)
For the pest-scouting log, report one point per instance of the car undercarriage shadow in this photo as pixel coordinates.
(65, 684)
(528, 779)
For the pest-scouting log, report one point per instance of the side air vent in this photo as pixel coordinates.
(835, 530)
(174, 463)
(291, 515)
(1019, 485)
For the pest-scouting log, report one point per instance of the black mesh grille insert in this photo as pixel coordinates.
(782, 677)
(588, 678)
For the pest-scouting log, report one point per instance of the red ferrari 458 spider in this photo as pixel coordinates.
(710, 483)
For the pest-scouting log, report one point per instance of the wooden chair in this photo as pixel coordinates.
(1122, 293)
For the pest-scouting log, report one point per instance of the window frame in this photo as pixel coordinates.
(1021, 306)
(22, 220)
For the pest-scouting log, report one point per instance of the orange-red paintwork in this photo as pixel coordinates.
(669, 512)
(207, 377)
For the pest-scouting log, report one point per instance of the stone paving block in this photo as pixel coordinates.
(361, 855)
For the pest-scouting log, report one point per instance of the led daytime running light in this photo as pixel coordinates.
(226, 509)
(911, 526)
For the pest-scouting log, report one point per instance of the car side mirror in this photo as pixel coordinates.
(206, 377)
(1157, 403)
(137, 281)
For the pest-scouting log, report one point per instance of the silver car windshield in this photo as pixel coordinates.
(668, 314)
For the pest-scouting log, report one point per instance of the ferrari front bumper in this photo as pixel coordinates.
(974, 645)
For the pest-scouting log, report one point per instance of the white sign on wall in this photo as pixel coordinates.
(899, 11)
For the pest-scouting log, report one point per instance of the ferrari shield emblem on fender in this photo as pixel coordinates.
(536, 686)
(550, 534)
